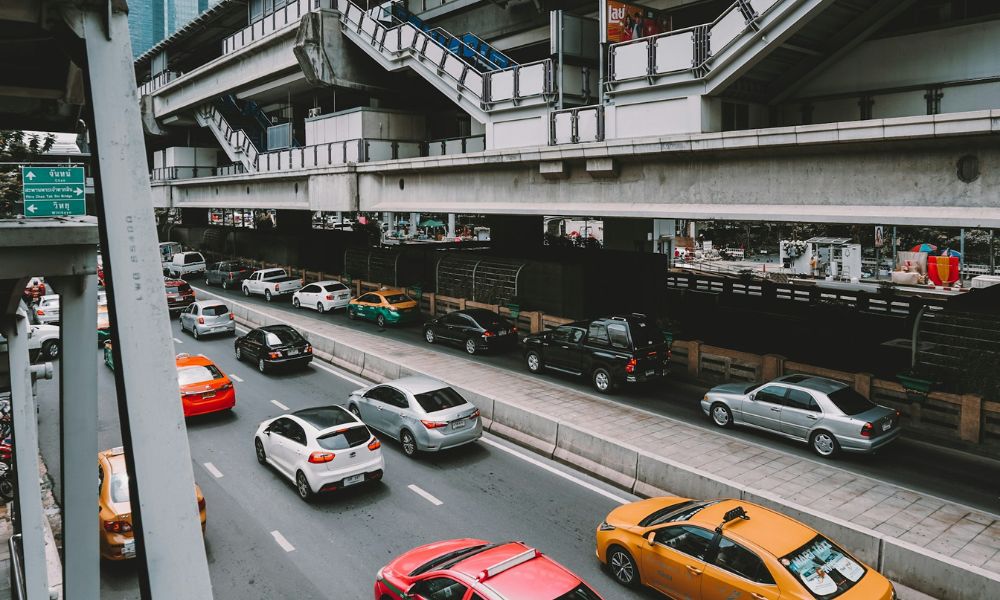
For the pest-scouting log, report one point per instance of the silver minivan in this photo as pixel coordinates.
(424, 414)
(207, 317)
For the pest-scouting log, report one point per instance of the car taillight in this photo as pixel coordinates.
(201, 320)
(514, 329)
(225, 386)
(321, 457)
(274, 355)
(40, 312)
(329, 296)
(309, 349)
(276, 287)
(231, 316)
(433, 424)
(475, 415)
(374, 444)
(487, 334)
(866, 431)
(117, 526)
(201, 504)
(630, 365)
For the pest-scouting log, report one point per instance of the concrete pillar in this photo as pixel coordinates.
(451, 226)
(970, 419)
(414, 220)
(694, 358)
(518, 235)
(773, 366)
(863, 384)
(630, 235)
(194, 216)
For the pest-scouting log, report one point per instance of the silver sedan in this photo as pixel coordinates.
(829, 415)
(207, 316)
(424, 414)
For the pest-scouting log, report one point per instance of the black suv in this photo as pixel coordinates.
(609, 350)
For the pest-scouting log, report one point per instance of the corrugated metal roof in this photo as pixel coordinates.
(224, 7)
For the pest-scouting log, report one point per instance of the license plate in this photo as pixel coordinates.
(128, 549)
(886, 425)
(293, 352)
(650, 372)
(353, 479)
(208, 395)
(458, 424)
(502, 332)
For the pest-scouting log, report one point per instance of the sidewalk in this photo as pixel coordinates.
(874, 515)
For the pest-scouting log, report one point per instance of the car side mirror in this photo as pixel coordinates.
(752, 397)
(267, 431)
(650, 537)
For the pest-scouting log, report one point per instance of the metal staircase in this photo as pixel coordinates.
(235, 142)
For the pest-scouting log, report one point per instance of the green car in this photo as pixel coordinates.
(108, 358)
(385, 307)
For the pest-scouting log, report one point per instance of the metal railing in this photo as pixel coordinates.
(689, 49)
(176, 172)
(160, 80)
(576, 125)
(287, 15)
(338, 153)
(456, 145)
(236, 138)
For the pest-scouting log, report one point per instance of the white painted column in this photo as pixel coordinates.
(414, 219)
(451, 226)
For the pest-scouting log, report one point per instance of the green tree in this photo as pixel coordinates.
(18, 147)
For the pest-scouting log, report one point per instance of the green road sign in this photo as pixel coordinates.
(53, 191)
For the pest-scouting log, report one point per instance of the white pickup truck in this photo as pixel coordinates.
(270, 283)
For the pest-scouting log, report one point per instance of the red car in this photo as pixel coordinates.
(470, 569)
(179, 295)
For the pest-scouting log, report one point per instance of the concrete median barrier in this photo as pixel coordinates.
(592, 453)
(658, 476)
(524, 427)
(935, 574)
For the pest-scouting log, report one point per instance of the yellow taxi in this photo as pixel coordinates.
(392, 307)
(115, 510)
(721, 549)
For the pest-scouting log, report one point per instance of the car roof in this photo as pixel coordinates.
(389, 291)
(417, 384)
(537, 577)
(203, 303)
(192, 360)
(329, 282)
(812, 382)
(325, 417)
(480, 313)
(770, 531)
(279, 327)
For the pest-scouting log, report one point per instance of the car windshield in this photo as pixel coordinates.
(215, 311)
(645, 334)
(345, 438)
(441, 399)
(823, 568)
(676, 513)
(580, 592)
(197, 374)
(280, 337)
(119, 487)
(850, 402)
(397, 298)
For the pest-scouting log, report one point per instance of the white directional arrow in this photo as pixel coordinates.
(31, 208)
(30, 176)
(77, 191)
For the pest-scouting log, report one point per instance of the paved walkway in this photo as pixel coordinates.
(954, 530)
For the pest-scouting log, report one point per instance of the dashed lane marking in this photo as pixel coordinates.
(213, 470)
(279, 405)
(357, 382)
(425, 495)
(236, 378)
(177, 341)
(280, 539)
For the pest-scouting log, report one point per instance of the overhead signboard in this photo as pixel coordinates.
(54, 191)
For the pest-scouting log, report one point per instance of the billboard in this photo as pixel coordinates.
(632, 21)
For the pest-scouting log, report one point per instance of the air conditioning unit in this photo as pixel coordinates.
(315, 112)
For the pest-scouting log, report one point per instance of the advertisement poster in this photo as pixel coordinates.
(631, 21)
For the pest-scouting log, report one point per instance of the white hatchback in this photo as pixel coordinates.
(323, 296)
(320, 449)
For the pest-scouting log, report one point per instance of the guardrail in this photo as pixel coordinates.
(171, 173)
(287, 15)
(575, 125)
(458, 145)
(338, 153)
(157, 82)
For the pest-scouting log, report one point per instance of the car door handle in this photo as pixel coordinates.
(565, 347)
(775, 408)
(757, 596)
(812, 417)
(694, 570)
(379, 408)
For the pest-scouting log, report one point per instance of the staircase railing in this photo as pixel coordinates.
(236, 138)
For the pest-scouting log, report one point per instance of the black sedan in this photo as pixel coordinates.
(474, 329)
(273, 346)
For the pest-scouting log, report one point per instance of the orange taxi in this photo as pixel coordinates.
(204, 388)
(718, 549)
(115, 510)
(385, 307)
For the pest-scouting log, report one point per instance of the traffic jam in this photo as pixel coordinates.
(679, 547)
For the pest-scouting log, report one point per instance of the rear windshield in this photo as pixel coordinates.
(441, 399)
(850, 402)
(345, 438)
(645, 334)
(233, 267)
(197, 374)
(193, 258)
(580, 592)
(280, 337)
(178, 288)
(336, 287)
(397, 298)
(823, 568)
(214, 311)
(119, 487)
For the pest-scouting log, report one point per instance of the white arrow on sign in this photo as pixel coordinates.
(77, 191)
(30, 176)
(31, 208)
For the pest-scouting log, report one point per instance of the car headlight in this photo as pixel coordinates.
(604, 526)
(705, 398)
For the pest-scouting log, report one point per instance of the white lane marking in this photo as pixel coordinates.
(236, 378)
(214, 471)
(555, 471)
(177, 341)
(332, 371)
(279, 405)
(426, 496)
(282, 541)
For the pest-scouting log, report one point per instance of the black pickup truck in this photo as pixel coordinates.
(610, 350)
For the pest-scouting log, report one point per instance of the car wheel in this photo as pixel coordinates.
(246, 291)
(622, 566)
(470, 346)
(602, 380)
(319, 308)
(50, 349)
(267, 295)
(355, 411)
(302, 485)
(259, 447)
(239, 353)
(408, 443)
(295, 303)
(194, 332)
(824, 444)
(721, 415)
(429, 335)
(260, 365)
(380, 321)
(350, 314)
(534, 362)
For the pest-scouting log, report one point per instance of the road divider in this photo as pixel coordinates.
(644, 473)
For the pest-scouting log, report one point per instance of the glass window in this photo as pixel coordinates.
(280, 337)
(676, 513)
(215, 310)
(336, 287)
(178, 288)
(455, 319)
(561, 334)
(771, 393)
(823, 568)
(736, 559)
(294, 432)
(598, 334)
(801, 399)
(693, 541)
(441, 399)
(119, 487)
(278, 426)
(619, 335)
(345, 438)
(645, 334)
(850, 402)
(370, 299)
(197, 374)
(439, 588)
(396, 398)
(377, 393)
(580, 592)
(312, 288)
(397, 298)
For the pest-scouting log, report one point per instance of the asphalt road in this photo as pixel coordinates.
(951, 475)
(333, 547)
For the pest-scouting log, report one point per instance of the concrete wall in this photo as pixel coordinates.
(371, 123)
